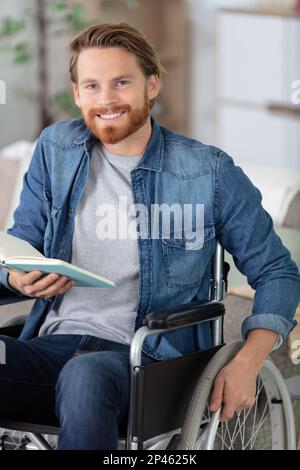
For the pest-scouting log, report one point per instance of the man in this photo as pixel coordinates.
(77, 340)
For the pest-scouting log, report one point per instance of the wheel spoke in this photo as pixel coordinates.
(232, 434)
(263, 425)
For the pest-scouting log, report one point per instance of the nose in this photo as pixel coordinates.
(107, 97)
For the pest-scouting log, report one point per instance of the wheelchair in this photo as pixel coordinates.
(169, 400)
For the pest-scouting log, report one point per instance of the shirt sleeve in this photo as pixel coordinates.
(30, 217)
(4, 282)
(246, 231)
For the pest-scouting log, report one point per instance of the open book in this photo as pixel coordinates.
(18, 254)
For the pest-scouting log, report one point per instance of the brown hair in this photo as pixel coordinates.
(116, 35)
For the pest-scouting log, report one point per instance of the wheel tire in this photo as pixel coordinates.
(200, 429)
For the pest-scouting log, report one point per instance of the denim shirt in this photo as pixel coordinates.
(173, 170)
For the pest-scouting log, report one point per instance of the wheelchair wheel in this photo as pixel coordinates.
(20, 440)
(268, 424)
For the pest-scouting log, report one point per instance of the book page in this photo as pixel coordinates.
(11, 246)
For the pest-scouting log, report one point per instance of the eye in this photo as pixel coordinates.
(122, 82)
(91, 86)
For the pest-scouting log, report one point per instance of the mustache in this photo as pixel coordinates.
(113, 109)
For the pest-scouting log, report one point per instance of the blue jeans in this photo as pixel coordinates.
(83, 380)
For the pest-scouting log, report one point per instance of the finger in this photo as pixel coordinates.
(39, 284)
(217, 396)
(230, 404)
(240, 408)
(45, 282)
(27, 277)
(54, 283)
(66, 287)
(59, 288)
(31, 277)
(245, 405)
(228, 411)
(26, 281)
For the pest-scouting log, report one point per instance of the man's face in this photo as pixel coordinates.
(113, 93)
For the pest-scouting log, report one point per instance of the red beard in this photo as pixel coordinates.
(110, 133)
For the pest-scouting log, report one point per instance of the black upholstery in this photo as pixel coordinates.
(163, 392)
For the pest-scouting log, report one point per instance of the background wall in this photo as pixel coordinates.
(203, 66)
(19, 116)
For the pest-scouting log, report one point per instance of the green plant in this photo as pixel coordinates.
(48, 18)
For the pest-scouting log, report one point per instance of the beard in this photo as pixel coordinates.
(110, 133)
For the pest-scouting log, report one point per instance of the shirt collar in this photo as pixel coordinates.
(153, 155)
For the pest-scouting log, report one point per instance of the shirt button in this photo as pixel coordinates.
(70, 211)
(62, 251)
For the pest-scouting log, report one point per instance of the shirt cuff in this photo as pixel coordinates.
(268, 321)
(4, 282)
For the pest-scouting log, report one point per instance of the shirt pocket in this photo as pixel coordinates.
(185, 260)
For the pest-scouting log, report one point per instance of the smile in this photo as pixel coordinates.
(110, 117)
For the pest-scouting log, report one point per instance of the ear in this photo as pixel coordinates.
(153, 86)
(76, 94)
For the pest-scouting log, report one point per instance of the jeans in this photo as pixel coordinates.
(81, 379)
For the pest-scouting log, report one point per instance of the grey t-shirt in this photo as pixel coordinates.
(103, 245)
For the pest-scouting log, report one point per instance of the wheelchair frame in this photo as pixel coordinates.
(155, 433)
(171, 319)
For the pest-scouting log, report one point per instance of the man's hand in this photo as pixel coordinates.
(36, 284)
(235, 385)
(234, 388)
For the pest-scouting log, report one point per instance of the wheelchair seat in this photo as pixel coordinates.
(161, 391)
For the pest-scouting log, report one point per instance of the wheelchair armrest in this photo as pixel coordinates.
(9, 297)
(184, 315)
